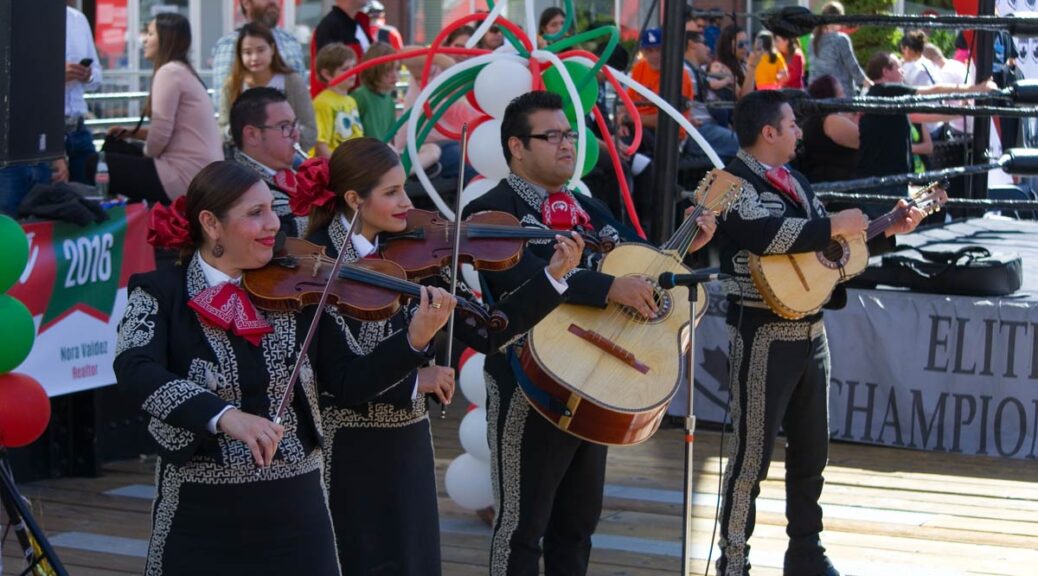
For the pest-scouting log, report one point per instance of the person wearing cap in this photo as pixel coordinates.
(646, 72)
(378, 29)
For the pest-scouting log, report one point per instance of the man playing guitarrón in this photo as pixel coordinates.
(779, 369)
(547, 483)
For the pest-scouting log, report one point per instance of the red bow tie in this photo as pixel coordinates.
(780, 178)
(227, 306)
(286, 181)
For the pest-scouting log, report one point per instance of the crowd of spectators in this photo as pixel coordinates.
(722, 62)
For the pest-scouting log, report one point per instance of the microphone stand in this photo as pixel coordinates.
(691, 281)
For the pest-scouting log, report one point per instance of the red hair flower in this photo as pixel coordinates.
(168, 226)
(311, 187)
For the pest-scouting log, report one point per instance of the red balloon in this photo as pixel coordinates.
(24, 410)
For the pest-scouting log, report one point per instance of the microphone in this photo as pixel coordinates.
(669, 280)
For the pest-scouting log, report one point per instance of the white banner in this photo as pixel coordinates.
(911, 370)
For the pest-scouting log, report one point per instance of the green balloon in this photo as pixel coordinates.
(14, 252)
(19, 333)
(591, 150)
(588, 93)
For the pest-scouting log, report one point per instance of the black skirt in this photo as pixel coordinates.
(382, 496)
(214, 520)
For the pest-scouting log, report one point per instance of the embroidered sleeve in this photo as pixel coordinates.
(143, 366)
(356, 362)
(137, 327)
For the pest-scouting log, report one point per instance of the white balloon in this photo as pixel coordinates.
(473, 383)
(581, 187)
(473, 434)
(485, 152)
(468, 482)
(499, 83)
(478, 188)
(471, 278)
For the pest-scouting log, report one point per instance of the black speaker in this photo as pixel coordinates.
(32, 81)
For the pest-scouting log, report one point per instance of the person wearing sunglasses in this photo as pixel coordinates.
(733, 49)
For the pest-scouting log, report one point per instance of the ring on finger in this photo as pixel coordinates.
(436, 305)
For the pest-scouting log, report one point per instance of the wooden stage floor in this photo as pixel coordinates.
(888, 512)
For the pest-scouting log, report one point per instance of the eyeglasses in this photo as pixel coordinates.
(287, 128)
(555, 137)
(742, 43)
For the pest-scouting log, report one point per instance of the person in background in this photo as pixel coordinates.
(379, 30)
(338, 118)
(183, 136)
(259, 64)
(346, 23)
(267, 13)
(720, 137)
(493, 39)
(831, 53)
(80, 154)
(919, 70)
(886, 142)
(550, 23)
(952, 72)
(712, 30)
(789, 48)
(265, 134)
(831, 141)
(732, 50)
(377, 104)
(17, 180)
(770, 72)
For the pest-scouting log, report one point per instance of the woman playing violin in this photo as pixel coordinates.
(379, 458)
(235, 490)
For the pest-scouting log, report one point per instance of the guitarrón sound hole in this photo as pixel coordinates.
(664, 304)
(835, 254)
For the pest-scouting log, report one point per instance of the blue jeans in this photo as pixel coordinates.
(16, 181)
(79, 147)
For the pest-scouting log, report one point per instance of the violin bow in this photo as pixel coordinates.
(286, 397)
(455, 272)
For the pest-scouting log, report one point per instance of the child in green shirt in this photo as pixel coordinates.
(337, 113)
(375, 99)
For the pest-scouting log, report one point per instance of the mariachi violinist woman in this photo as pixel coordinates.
(379, 455)
(238, 493)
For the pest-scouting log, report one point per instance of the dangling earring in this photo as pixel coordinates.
(218, 249)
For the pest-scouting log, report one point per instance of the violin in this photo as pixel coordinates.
(490, 241)
(369, 289)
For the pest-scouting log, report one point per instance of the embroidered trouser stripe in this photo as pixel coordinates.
(779, 376)
(547, 484)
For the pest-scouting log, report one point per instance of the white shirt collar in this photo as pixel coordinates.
(213, 276)
(268, 171)
(361, 245)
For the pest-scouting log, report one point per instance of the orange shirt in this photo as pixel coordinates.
(646, 76)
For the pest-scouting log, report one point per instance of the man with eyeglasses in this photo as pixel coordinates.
(265, 133)
(548, 482)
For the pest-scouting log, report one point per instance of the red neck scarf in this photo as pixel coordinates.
(560, 211)
(227, 306)
(780, 178)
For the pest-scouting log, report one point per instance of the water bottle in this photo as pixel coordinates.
(101, 179)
